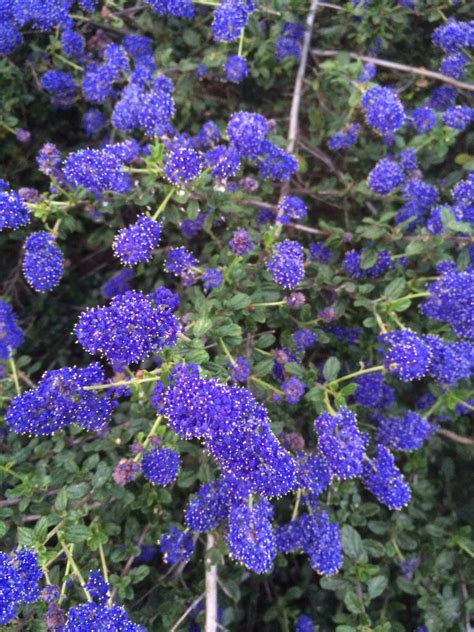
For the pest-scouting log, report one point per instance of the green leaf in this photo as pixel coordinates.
(368, 258)
(60, 502)
(351, 542)
(238, 301)
(76, 533)
(331, 369)
(77, 491)
(202, 326)
(25, 536)
(41, 529)
(377, 585)
(353, 603)
(395, 288)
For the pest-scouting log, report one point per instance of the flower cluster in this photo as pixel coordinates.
(61, 398)
(137, 242)
(287, 264)
(42, 262)
(160, 466)
(11, 335)
(20, 575)
(128, 330)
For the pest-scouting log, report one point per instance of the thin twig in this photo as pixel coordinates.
(453, 436)
(131, 559)
(296, 101)
(465, 598)
(211, 590)
(185, 614)
(308, 229)
(322, 157)
(414, 70)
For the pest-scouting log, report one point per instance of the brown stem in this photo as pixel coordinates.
(453, 436)
(418, 70)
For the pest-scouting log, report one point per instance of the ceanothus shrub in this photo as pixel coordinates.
(236, 358)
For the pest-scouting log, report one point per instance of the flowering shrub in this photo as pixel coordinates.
(237, 315)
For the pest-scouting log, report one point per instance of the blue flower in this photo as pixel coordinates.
(287, 263)
(60, 400)
(385, 177)
(341, 443)
(240, 244)
(136, 242)
(11, 335)
(383, 109)
(408, 356)
(247, 132)
(106, 330)
(291, 208)
(183, 164)
(161, 466)
(250, 538)
(13, 213)
(385, 481)
(20, 575)
(236, 68)
(42, 262)
(176, 546)
(404, 433)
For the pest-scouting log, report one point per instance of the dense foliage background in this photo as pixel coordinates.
(407, 569)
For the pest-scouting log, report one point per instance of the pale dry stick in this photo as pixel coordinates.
(297, 92)
(211, 590)
(308, 229)
(414, 70)
(322, 157)
(453, 436)
(465, 598)
(185, 614)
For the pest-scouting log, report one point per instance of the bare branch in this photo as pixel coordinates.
(453, 436)
(296, 101)
(418, 70)
(211, 590)
(185, 614)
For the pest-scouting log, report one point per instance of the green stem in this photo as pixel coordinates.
(349, 376)
(328, 404)
(241, 42)
(400, 555)
(408, 297)
(8, 128)
(466, 404)
(7, 470)
(16, 381)
(227, 352)
(397, 321)
(380, 323)
(207, 3)
(55, 229)
(431, 410)
(315, 321)
(466, 549)
(267, 385)
(162, 206)
(66, 575)
(297, 504)
(75, 567)
(101, 387)
(68, 63)
(105, 570)
(273, 304)
(153, 430)
(265, 353)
